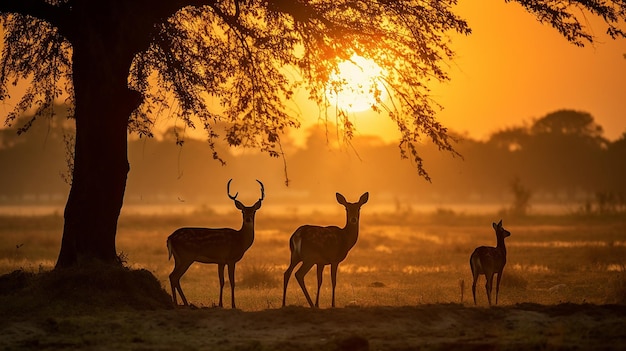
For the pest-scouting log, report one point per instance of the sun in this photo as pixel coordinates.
(356, 84)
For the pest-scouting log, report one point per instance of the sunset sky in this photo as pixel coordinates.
(512, 69)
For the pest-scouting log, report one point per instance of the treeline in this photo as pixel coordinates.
(560, 158)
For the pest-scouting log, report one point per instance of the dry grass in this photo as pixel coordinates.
(401, 284)
(420, 261)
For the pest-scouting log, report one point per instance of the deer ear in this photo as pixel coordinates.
(239, 205)
(500, 223)
(495, 226)
(364, 198)
(341, 199)
(257, 205)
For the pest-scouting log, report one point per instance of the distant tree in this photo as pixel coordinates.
(48, 130)
(521, 198)
(568, 147)
(106, 54)
(615, 167)
(32, 162)
(570, 122)
(511, 139)
(577, 124)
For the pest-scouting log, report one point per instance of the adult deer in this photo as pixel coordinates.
(223, 246)
(321, 246)
(489, 261)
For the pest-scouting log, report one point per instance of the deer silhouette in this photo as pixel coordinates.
(223, 246)
(321, 246)
(488, 261)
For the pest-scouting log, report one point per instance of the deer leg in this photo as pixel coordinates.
(333, 278)
(302, 271)
(475, 277)
(177, 273)
(320, 273)
(287, 275)
(231, 279)
(220, 273)
(498, 285)
(488, 286)
(174, 282)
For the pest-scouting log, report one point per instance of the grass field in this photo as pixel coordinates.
(420, 260)
(402, 268)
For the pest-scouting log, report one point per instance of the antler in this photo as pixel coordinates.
(228, 191)
(262, 190)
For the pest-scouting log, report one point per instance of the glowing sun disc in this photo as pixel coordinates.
(353, 88)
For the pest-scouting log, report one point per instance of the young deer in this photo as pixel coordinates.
(489, 261)
(321, 246)
(224, 246)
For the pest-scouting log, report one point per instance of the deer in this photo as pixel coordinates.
(223, 246)
(488, 261)
(321, 246)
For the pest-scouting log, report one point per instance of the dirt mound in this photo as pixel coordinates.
(82, 289)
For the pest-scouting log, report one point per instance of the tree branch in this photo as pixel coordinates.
(57, 16)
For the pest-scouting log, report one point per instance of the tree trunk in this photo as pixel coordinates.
(100, 170)
(103, 105)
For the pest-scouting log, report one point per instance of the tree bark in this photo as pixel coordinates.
(101, 62)
(100, 167)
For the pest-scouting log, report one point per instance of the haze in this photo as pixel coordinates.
(510, 72)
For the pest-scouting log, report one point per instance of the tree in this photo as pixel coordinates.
(521, 197)
(569, 122)
(34, 160)
(240, 53)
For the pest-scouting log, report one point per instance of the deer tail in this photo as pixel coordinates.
(169, 249)
(291, 245)
(295, 243)
(475, 263)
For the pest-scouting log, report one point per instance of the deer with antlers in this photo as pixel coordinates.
(223, 246)
(321, 246)
(488, 261)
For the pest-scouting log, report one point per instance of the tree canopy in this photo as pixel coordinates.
(239, 61)
(248, 57)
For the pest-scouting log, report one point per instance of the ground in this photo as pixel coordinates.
(406, 285)
(428, 327)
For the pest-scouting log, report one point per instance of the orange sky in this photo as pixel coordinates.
(513, 69)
